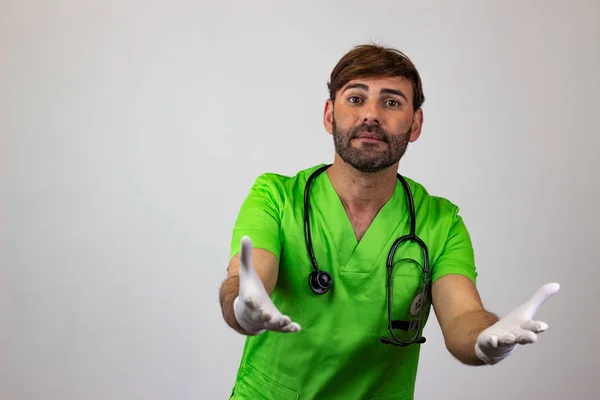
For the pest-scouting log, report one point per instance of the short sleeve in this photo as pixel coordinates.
(259, 217)
(457, 257)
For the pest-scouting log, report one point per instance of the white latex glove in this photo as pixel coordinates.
(518, 327)
(253, 308)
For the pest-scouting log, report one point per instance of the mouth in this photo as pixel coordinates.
(369, 137)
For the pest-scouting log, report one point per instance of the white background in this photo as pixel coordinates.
(132, 131)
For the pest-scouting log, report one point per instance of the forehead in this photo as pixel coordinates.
(375, 85)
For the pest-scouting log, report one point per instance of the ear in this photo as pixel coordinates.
(328, 116)
(417, 125)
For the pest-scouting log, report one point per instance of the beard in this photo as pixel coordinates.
(370, 158)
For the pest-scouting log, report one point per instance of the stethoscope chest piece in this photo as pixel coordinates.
(416, 304)
(319, 281)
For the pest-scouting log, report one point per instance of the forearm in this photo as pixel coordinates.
(229, 291)
(463, 334)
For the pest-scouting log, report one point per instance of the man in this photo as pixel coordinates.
(322, 305)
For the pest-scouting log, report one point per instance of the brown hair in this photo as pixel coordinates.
(370, 61)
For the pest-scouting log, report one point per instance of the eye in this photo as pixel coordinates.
(392, 103)
(354, 99)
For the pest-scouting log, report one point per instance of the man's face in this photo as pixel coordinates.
(372, 122)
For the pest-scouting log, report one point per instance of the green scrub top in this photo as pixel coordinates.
(338, 353)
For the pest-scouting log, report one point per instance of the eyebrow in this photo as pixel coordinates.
(383, 91)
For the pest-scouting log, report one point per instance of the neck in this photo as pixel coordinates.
(361, 192)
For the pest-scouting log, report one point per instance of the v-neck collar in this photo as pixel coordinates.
(354, 255)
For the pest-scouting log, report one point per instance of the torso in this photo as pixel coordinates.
(353, 314)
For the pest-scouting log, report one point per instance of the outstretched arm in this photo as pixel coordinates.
(266, 269)
(461, 316)
(475, 336)
(245, 294)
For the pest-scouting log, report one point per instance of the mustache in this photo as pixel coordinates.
(375, 129)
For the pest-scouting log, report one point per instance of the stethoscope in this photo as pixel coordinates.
(320, 281)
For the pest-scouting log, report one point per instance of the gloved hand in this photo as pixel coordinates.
(253, 308)
(518, 327)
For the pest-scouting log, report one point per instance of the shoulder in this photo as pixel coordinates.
(279, 185)
(438, 209)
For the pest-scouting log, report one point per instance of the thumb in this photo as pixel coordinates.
(246, 265)
(530, 307)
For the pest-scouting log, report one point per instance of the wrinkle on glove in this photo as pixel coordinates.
(498, 341)
(254, 310)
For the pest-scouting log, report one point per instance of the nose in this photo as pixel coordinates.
(371, 113)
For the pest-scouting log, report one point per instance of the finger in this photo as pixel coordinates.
(284, 320)
(489, 341)
(531, 306)
(292, 327)
(506, 339)
(277, 324)
(534, 326)
(272, 323)
(525, 337)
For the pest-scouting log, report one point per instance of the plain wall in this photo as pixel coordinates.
(132, 131)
